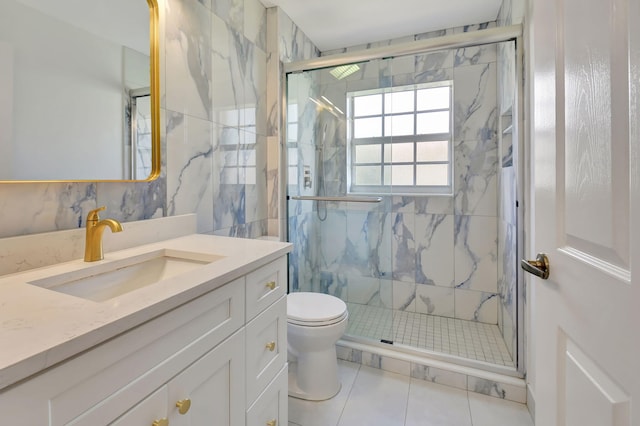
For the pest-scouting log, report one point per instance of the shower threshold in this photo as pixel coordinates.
(460, 341)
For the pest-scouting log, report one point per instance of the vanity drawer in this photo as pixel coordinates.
(265, 286)
(266, 347)
(272, 405)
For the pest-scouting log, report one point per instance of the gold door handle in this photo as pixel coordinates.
(183, 405)
(271, 422)
(271, 346)
(161, 422)
(271, 285)
(538, 267)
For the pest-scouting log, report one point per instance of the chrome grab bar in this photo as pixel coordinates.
(347, 199)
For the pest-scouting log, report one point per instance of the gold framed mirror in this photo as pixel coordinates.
(79, 91)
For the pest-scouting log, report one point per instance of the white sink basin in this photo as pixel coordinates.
(112, 279)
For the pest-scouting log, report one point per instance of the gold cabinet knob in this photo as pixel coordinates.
(161, 422)
(271, 285)
(271, 346)
(272, 422)
(183, 405)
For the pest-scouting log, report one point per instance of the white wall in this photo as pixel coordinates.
(6, 108)
(137, 68)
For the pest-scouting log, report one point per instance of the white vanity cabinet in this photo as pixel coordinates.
(207, 355)
(207, 392)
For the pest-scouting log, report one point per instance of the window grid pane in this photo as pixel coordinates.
(434, 98)
(368, 154)
(432, 151)
(367, 105)
(397, 102)
(367, 127)
(368, 175)
(432, 174)
(399, 125)
(433, 122)
(402, 153)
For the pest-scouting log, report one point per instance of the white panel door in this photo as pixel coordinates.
(586, 211)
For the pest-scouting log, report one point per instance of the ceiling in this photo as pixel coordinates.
(333, 24)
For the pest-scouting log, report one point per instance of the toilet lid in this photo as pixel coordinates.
(314, 308)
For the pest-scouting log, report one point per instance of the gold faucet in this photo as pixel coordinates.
(95, 228)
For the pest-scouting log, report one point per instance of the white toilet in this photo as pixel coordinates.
(315, 322)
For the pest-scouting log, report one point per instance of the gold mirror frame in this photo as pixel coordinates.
(154, 62)
(154, 50)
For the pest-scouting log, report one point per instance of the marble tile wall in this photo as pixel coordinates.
(216, 110)
(431, 254)
(215, 129)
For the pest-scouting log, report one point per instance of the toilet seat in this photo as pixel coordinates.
(315, 309)
(318, 323)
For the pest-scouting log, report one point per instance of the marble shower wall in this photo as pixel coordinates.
(430, 254)
(214, 130)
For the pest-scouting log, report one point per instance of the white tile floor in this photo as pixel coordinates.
(372, 397)
(467, 339)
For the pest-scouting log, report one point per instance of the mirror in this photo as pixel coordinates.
(79, 90)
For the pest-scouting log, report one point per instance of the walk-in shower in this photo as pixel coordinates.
(402, 172)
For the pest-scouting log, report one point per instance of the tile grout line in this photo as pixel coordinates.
(469, 407)
(346, 401)
(406, 406)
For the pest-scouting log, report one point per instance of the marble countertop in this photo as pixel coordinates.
(40, 328)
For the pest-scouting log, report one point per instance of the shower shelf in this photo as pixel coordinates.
(339, 199)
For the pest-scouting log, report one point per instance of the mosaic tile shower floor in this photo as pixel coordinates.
(467, 339)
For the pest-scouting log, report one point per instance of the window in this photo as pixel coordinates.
(400, 140)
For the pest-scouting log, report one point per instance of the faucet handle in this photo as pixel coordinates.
(94, 214)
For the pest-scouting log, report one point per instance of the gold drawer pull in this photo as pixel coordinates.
(161, 422)
(183, 405)
(271, 346)
(272, 422)
(271, 285)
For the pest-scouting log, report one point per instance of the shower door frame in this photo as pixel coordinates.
(512, 33)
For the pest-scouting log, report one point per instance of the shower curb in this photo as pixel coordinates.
(446, 373)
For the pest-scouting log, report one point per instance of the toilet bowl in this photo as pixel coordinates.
(315, 322)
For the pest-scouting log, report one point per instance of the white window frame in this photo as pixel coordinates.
(387, 187)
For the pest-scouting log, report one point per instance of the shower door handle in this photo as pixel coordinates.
(538, 267)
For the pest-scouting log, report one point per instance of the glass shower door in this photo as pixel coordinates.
(341, 247)
(433, 138)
